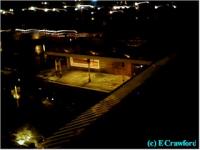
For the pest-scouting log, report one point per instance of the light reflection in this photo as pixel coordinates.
(26, 137)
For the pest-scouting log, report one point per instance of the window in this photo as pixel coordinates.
(82, 62)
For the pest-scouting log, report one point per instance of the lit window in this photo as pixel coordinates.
(82, 62)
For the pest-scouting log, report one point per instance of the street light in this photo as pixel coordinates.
(46, 9)
(32, 8)
(11, 10)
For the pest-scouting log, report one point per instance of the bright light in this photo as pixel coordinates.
(44, 48)
(11, 10)
(76, 9)
(110, 12)
(115, 7)
(67, 51)
(15, 93)
(44, 3)
(23, 9)
(32, 8)
(93, 53)
(92, 13)
(82, 62)
(46, 9)
(156, 7)
(38, 49)
(21, 142)
(137, 7)
(25, 137)
(83, 6)
(2, 11)
(174, 6)
(16, 96)
(78, 6)
(121, 7)
(65, 6)
(136, 4)
(18, 79)
(98, 8)
(92, 18)
(52, 98)
(127, 56)
(54, 9)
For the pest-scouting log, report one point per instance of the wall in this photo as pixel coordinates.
(115, 67)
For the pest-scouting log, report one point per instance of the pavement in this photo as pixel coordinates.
(99, 81)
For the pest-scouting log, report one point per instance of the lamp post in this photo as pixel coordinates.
(89, 78)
